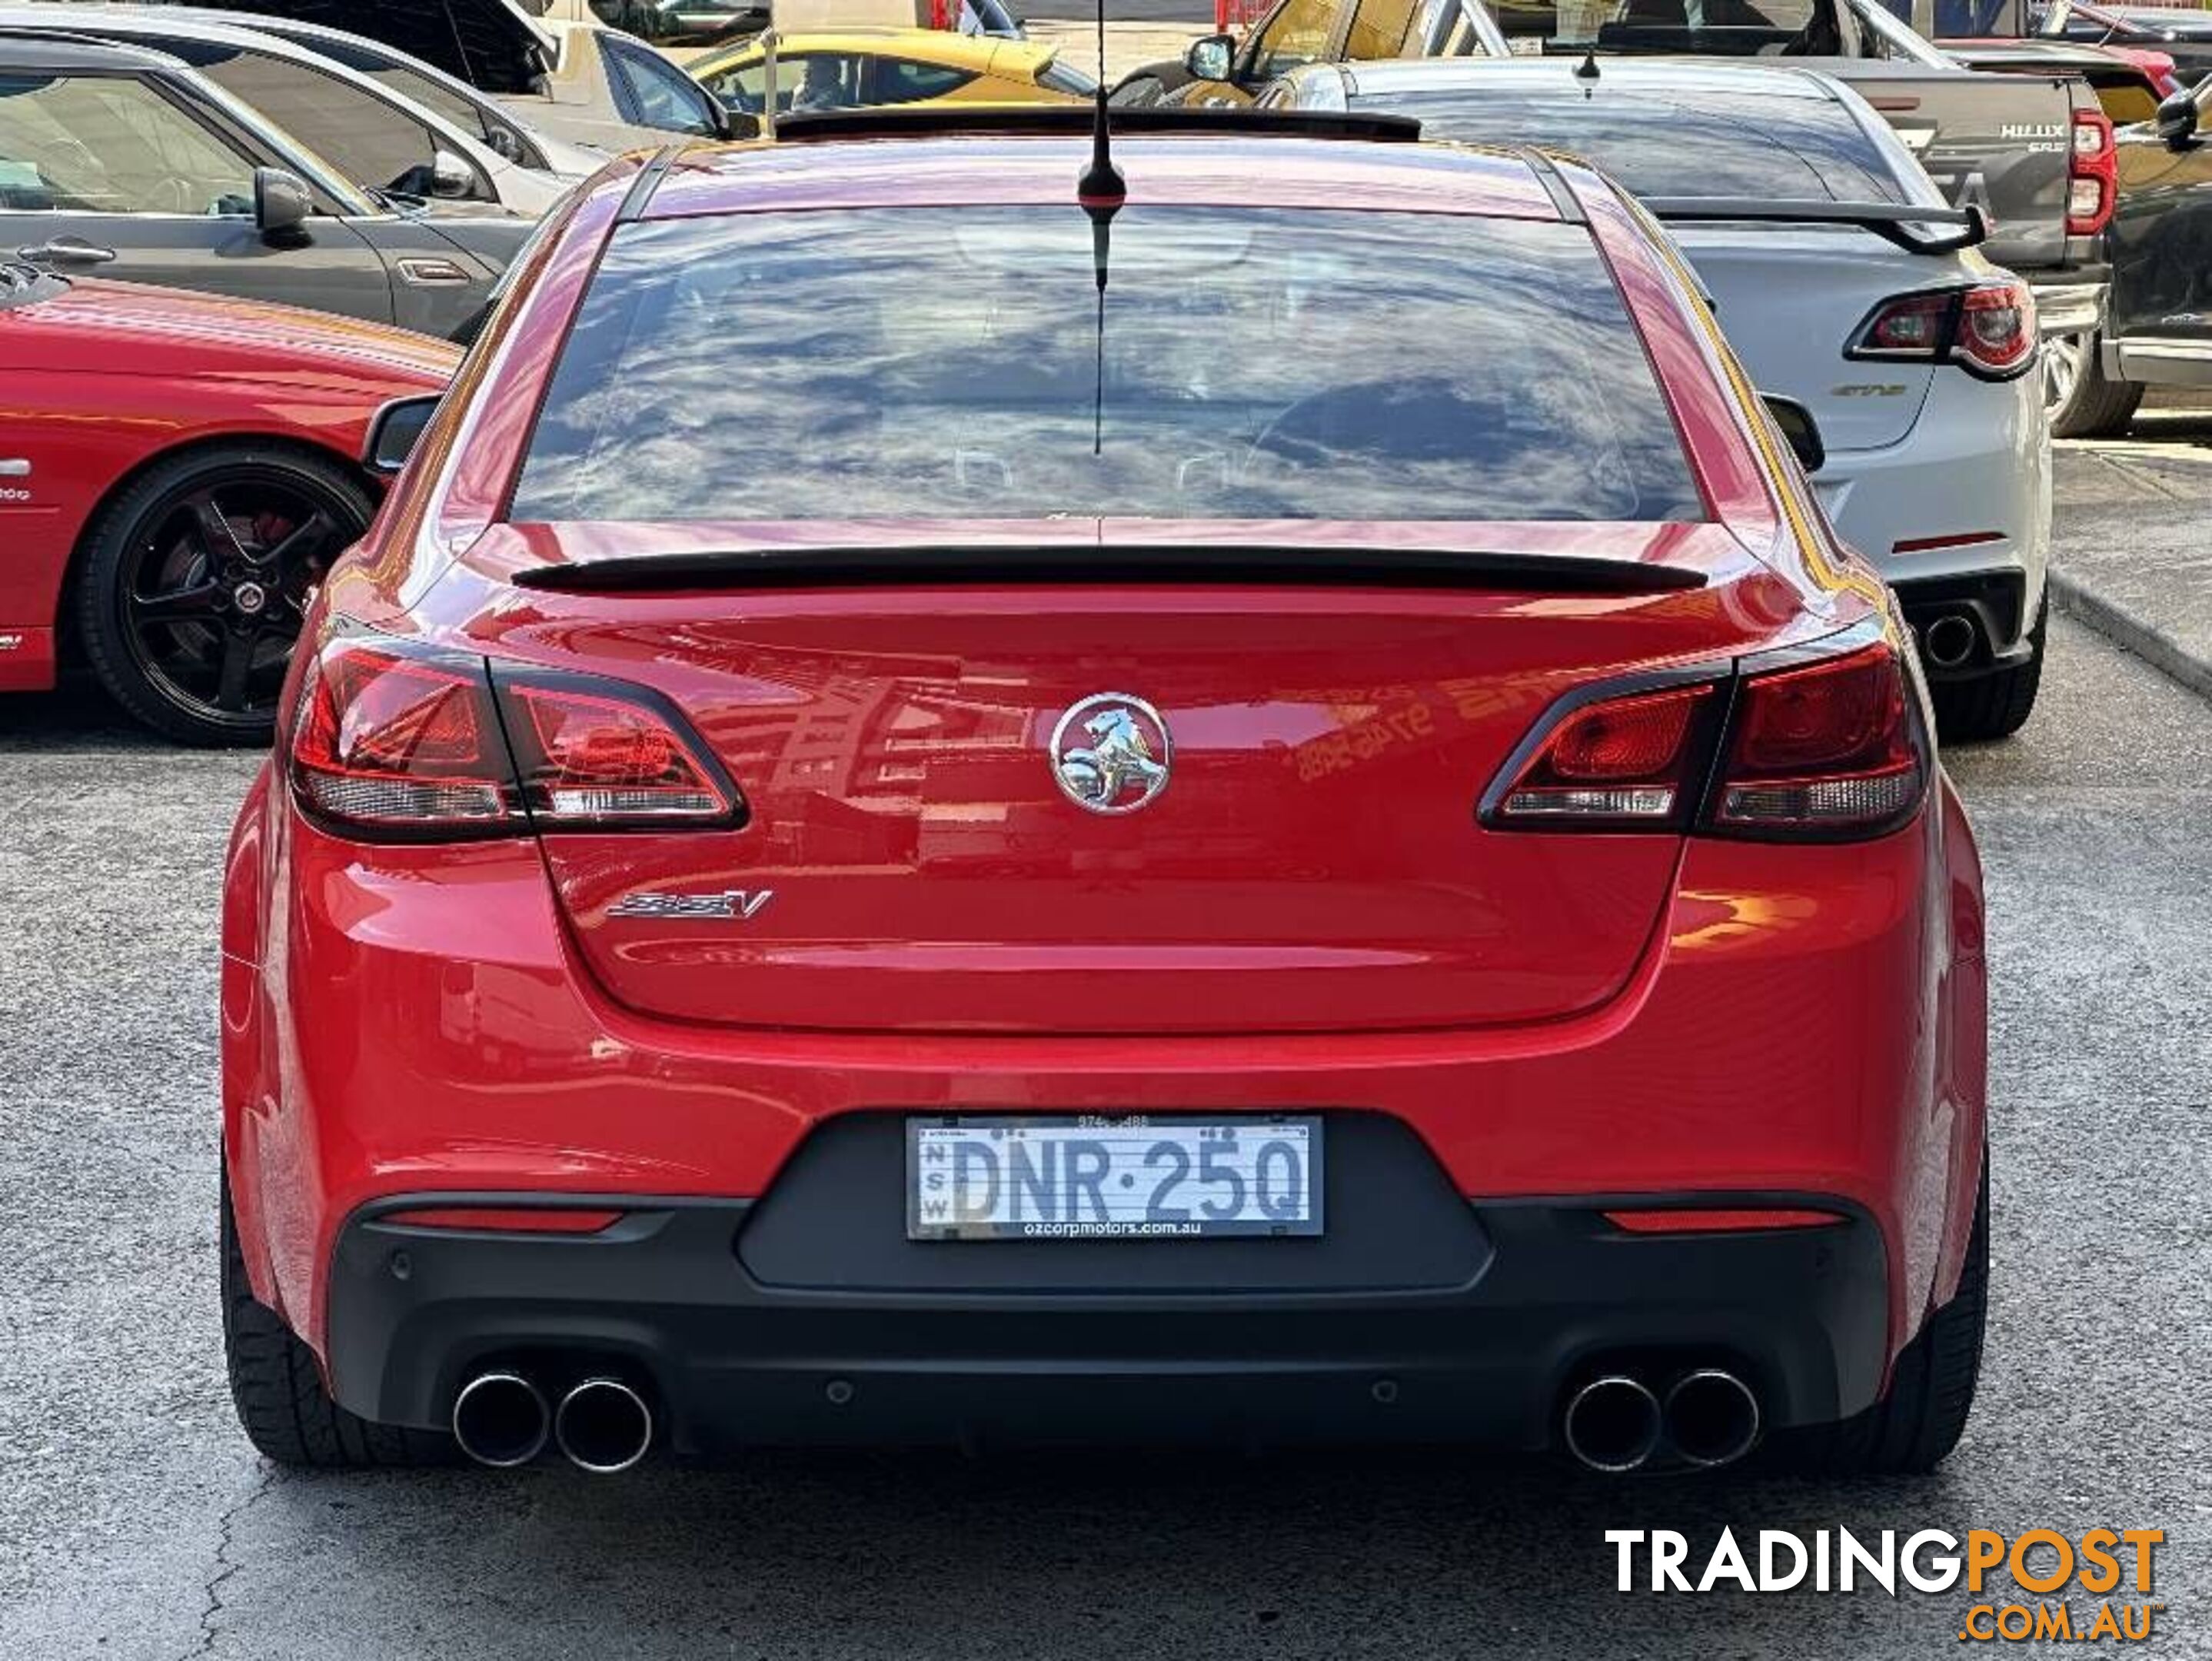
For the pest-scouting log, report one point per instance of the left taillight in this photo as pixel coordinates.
(1988, 329)
(395, 740)
(1827, 750)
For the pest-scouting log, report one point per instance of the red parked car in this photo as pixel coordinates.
(940, 813)
(177, 473)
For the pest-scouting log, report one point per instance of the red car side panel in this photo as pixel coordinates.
(109, 377)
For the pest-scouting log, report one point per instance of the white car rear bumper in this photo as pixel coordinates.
(1966, 494)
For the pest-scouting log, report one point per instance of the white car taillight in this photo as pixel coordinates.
(1987, 330)
(395, 739)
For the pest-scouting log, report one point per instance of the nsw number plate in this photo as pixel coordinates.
(1160, 1178)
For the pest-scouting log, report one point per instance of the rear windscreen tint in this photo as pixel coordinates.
(1250, 364)
(1677, 144)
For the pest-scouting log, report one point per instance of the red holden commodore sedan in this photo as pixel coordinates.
(1255, 806)
(177, 473)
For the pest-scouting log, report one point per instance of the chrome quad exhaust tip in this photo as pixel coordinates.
(501, 1419)
(1612, 1424)
(603, 1426)
(1711, 1417)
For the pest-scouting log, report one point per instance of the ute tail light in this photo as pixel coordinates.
(2093, 174)
(400, 740)
(1830, 750)
(1987, 330)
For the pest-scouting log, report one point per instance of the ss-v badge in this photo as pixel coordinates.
(738, 904)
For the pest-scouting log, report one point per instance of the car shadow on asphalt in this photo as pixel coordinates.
(77, 717)
(1401, 1553)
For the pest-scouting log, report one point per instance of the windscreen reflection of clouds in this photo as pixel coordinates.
(1259, 365)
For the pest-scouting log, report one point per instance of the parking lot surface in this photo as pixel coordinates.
(136, 1521)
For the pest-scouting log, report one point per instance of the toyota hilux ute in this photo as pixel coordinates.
(2034, 153)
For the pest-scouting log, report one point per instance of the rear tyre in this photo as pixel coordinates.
(1932, 1392)
(1995, 705)
(196, 577)
(2080, 401)
(278, 1390)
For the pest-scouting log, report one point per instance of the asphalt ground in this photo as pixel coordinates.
(135, 1524)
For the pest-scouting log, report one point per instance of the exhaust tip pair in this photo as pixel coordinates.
(1616, 1423)
(501, 1419)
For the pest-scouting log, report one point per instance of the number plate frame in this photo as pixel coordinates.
(1184, 1129)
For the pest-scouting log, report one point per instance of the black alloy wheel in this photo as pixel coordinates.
(196, 578)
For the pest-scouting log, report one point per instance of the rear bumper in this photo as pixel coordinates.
(1806, 1021)
(2171, 362)
(1995, 602)
(1553, 1297)
(2071, 307)
(1962, 501)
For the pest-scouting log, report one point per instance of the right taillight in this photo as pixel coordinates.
(393, 740)
(2093, 174)
(1829, 750)
(1987, 330)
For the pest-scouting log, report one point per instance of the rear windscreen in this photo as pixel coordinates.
(1811, 28)
(1247, 364)
(1677, 144)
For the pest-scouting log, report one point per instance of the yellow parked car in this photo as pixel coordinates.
(865, 69)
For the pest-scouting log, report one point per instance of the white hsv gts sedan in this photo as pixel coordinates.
(1910, 351)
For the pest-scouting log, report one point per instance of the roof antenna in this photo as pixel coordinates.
(1587, 70)
(1101, 191)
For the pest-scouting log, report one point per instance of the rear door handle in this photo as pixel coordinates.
(68, 251)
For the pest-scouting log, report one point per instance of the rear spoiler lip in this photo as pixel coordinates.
(1891, 221)
(927, 564)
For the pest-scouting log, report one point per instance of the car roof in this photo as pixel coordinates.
(931, 46)
(998, 170)
(294, 31)
(154, 23)
(1381, 78)
(58, 50)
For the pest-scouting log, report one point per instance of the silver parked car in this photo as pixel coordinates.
(1910, 353)
(380, 138)
(124, 163)
(581, 82)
